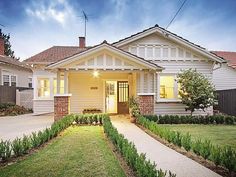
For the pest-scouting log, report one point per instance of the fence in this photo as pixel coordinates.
(227, 101)
(25, 98)
(19, 95)
(7, 94)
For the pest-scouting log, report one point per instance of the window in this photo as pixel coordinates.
(173, 52)
(30, 82)
(43, 88)
(167, 84)
(150, 52)
(13, 80)
(6, 80)
(61, 85)
(165, 52)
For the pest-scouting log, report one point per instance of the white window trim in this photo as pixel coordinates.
(36, 97)
(166, 100)
(31, 82)
(9, 74)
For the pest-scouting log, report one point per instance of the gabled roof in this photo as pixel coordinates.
(172, 36)
(54, 54)
(229, 56)
(11, 61)
(104, 45)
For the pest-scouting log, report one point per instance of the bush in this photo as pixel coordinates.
(141, 166)
(5, 150)
(187, 119)
(17, 147)
(186, 141)
(26, 143)
(225, 156)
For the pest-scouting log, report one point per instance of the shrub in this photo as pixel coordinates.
(216, 155)
(5, 150)
(186, 142)
(17, 147)
(229, 158)
(35, 140)
(187, 119)
(205, 149)
(26, 143)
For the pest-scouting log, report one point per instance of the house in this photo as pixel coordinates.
(224, 75)
(144, 65)
(13, 72)
(14, 75)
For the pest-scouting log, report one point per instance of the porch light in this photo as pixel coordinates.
(95, 73)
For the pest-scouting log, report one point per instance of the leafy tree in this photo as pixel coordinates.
(8, 51)
(196, 91)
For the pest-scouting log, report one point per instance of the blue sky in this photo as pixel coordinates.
(36, 25)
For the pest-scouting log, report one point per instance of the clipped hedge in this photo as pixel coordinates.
(224, 156)
(139, 163)
(187, 119)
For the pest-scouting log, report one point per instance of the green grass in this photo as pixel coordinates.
(80, 151)
(219, 134)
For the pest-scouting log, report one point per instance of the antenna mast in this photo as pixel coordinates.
(85, 20)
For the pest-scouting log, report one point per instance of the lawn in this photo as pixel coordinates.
(219, 134)
(79, 151)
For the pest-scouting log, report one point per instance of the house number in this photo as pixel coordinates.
(93, 88)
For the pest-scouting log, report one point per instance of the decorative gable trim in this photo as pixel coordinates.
(105, 46)
(169, 35)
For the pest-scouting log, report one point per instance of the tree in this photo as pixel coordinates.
(8, 51)
(196, 91)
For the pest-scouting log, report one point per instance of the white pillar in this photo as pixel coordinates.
(141, 82)
(65, 82)
(58, 81)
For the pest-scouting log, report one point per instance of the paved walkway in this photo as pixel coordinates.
(16, 126)
(164, 157)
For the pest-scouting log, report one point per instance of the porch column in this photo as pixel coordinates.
(65, 82)
(61, 106)
(58, 81)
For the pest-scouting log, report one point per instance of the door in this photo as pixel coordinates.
(123, 97)
(111, 96)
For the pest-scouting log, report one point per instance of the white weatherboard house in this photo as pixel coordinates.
(224, 75)
(144, 65)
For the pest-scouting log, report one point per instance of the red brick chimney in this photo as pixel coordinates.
(81, 42)
(1, 46)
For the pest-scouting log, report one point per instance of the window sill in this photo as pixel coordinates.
(168, 101)
(43, 99)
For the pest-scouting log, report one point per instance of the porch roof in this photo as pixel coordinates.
(104, 46)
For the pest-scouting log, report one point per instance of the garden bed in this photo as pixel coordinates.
(10, 109)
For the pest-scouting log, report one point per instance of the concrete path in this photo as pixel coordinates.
(164, 157)
(16, 126)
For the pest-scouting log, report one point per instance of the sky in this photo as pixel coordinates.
(35, 25)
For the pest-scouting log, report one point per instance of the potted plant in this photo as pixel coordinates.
(133, 109)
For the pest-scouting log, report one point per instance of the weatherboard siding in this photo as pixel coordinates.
(43, 106)
(173, 58)
(224, 78)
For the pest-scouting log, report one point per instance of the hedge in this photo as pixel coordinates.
(224, 156)
(139, 163)
(187, 119)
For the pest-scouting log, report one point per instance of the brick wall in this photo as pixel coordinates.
(146, 104)
(61, 106)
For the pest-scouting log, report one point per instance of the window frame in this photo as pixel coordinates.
(9, 74)
(176, 98)
(37, 89)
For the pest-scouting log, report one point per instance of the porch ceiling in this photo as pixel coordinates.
(104, 57)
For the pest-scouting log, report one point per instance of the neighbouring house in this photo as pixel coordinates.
(70, 79)
(224, 75)
(224, 79)
(13, 75)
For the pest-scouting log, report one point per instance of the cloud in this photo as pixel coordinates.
(57, 10)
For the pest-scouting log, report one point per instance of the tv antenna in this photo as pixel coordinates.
(85, 17)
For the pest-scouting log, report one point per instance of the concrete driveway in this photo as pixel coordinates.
(16, 126)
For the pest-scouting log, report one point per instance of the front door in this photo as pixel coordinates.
(111, 96)
(123, 97)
